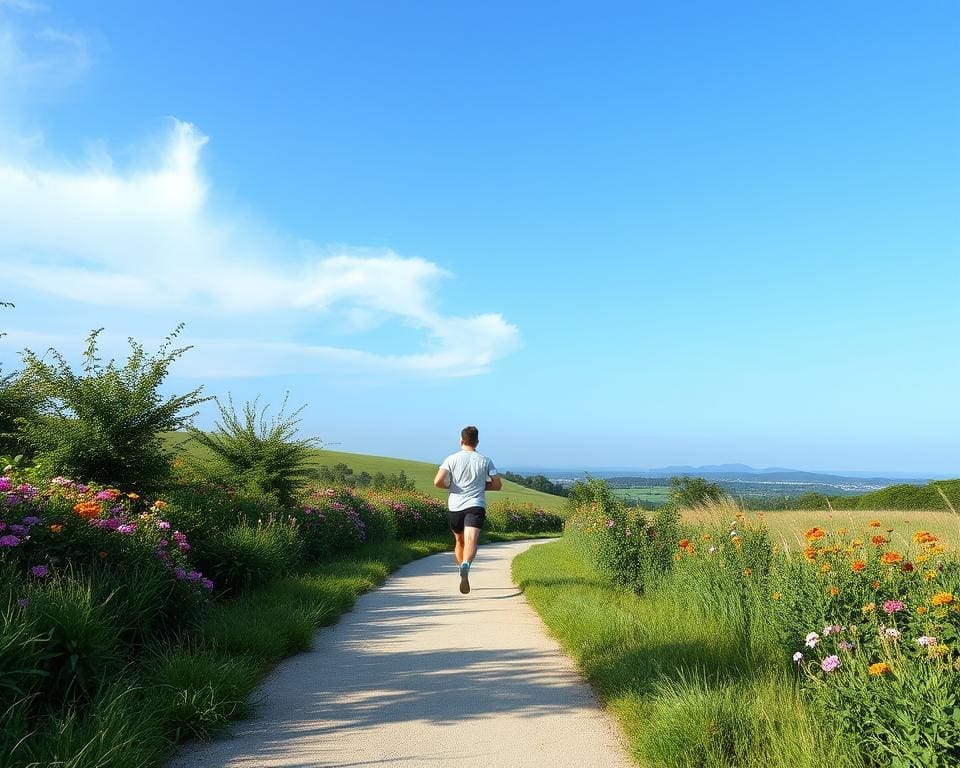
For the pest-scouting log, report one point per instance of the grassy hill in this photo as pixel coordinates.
(421, 472)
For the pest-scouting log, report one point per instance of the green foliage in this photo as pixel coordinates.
(538, 483)
(506, 517)
(341, 474)
(694, 491)
(104, 424)
(331, 522)
(18, 401)
(414, 514)
(257, 455)
(244, 556)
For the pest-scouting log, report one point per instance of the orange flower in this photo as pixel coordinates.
(880, 668)
(815, 533)
(891, 558)
(56, 527)
(858, 566)
(158, 504)
(684, 543)
(825, 568)
(834, 591)
(87, 509)
(875, 585)
(879, 540)
(922, 610)
(810, 553)
(924, 537)
(842, 531)
(942, 598)
(874, 523)
(133, 496)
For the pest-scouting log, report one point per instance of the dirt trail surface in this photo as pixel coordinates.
(419, 675)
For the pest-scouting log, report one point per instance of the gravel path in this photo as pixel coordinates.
(419, 675)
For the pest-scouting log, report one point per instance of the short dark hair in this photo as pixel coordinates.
(470, 436)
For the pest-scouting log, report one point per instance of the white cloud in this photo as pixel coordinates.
(129, 239)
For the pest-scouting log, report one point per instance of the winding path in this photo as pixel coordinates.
(419, 675)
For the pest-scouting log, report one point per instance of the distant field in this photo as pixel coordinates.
(422, 473)
(655, 494)
(789, 526)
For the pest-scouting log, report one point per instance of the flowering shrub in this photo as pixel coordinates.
(508, 516)
(331, 522)
(414, 514)
(632, 549)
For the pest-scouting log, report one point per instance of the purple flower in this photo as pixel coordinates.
(926, 641)
(9, 541)
(82, 488)
(13, 500)
(830, 663)
(183, 546)
(180, 573)
(20, 530)
(194, 575)
(127, 528)
(812, 639)
(892, 606)
(40, 571)
(206, 583)
(5, 484)
(23, 602)
(163, 525)
(31, 520)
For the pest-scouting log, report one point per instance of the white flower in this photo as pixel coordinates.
(926, 641)
(892, 633)
(798, 657)
(812, 639)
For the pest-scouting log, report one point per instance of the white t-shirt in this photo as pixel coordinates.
(469, 472)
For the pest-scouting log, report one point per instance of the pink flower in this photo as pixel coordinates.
(892, 606)
(830, 663)
(926, 641)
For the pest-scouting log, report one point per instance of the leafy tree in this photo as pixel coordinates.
(105, 423)
(16, 401)
(257, 455)
(694, 491)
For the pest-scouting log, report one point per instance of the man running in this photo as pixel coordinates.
(468, 474)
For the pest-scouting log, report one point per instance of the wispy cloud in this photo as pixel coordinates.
(128, 239)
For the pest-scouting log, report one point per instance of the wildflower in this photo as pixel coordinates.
(798, 657)
(87, 509)
(40, 571)
(926, 641)
(610, 523)
(875, 585)
(676, 556)
(874, 523)
(921, 609)
(830, 663)
(23, 602)
(127, 528)
(890, 558)
(858, 566)
(133, 496)
(892, 606)
(180, 573)
(879, 541)
(712, 550)
(810, 553)
(833, 591)
(930, 575)
(163, 525)
(31, 520)
(880, 668)
(158, 505)
(942, 598)
(707, 537)
(892, 633)
(831, 629)
(206, 584)
(846, 645)
(869, 608)
(747, 571)
(775, 596)
(936, 651)
(812, 639)
(814, 534)
(9, 541)
(684, 543)
(907, 567)
(825, 568)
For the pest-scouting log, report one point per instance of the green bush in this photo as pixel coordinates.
(245, 556)
(105, 423)
(331, 522)
(694, 491)
(414, 514)
(19, 402)
(254, 454)
(506, 516)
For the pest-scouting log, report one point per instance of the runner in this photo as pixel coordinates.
(468, 474)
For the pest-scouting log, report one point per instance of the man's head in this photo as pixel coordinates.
(470, 436)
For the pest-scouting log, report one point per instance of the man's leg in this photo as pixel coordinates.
(471, 536)
(458, 547)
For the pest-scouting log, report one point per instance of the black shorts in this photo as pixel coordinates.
(471, 516)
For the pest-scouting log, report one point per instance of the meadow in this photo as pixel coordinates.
(717, 646)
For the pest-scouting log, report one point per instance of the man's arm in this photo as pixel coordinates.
(442, 480)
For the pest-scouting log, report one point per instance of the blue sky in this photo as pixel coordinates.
(629, 234)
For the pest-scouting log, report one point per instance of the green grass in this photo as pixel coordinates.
(421, 472)
(686, 693)
(655, 494)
